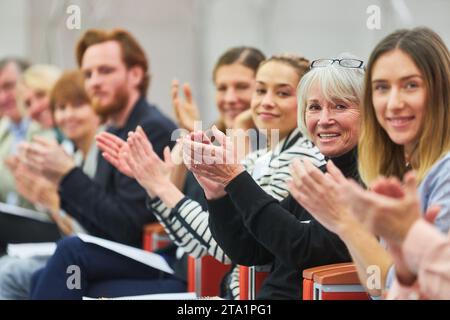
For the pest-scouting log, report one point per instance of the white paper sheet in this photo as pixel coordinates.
(161, 296)
(149, 258)
(27, 250)
(22, 212)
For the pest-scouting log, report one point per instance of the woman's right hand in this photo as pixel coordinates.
(114, 150)
(217, 163)
(244, 120)
(186, 110)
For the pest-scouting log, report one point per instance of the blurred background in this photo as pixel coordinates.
(184, 38)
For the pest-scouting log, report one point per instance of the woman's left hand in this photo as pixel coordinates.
(244, 120)
(319, 194)
(32, 186)
(148, 169)
(113, 148)
(217, 163)
(64, 222)
(46, 157)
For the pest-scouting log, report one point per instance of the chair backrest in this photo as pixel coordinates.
(251, 280)
(205, 275)
(155, 237)
(308, 275)
(333, 282)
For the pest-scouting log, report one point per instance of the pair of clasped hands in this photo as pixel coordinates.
(209, 155)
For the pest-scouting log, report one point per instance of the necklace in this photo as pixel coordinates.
(408, 166)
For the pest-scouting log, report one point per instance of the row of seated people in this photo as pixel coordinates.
(96, 198)
(243, 89)
(261, 208)
(370, 249)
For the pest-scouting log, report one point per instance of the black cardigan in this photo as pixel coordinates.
(112, 205)
(255, 229)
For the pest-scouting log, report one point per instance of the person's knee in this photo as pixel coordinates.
(8, 280)
(70, 249)
(34, 280)
(15, 276)
(5, 261)
(70, 244)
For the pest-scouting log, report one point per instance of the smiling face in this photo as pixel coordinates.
(274, 102)
(332, 125)
(76, 121)
(234, 88)
(399, 97)
(37, 103)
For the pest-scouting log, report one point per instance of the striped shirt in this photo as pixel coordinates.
(187, 223)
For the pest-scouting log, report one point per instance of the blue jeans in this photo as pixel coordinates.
(103, 273)
(15, 276)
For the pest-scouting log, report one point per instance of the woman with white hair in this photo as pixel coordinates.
(37, 83)
(252, 227)
(405, 126)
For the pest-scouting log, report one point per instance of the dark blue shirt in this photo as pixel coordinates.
(112, 205)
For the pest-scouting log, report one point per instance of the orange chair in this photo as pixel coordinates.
(251, 280)
(308, 275)
(155, 237)
(333, 282)
(205, 275)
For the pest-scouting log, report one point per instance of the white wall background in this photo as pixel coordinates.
(183, 38)
(13, 27)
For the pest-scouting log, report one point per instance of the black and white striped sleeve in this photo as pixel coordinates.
(187, 225)
(234, 284)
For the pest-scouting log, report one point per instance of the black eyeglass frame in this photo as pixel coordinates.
(359, 65)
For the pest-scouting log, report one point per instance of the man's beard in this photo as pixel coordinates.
(119, 102)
